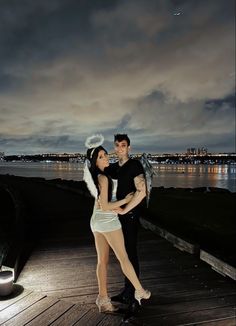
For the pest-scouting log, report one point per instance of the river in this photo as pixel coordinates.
(166, 175)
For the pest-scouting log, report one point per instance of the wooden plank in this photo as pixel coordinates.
(177, 241)
(165, 292)
(111, 320)
(189, 312)
(31, 312)
(193, 318)
(69, 266)
(182, 286)
(218, 265)
(54, 284)
(14, 297)
(51, 314)
(196, 304)
(220, 322)
(19, 306)
(46, 256)
(91, 318)
(71, 316)
(55, 279)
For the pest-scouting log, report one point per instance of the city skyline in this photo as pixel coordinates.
(161, 71)
(111, 152)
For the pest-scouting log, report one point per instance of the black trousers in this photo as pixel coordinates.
(130, 225)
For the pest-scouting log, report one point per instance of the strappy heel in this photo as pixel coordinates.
(141, 294)
(104, 304)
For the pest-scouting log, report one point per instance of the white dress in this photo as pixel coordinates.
(105, 221)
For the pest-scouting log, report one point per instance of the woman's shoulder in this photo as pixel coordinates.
(102, 177)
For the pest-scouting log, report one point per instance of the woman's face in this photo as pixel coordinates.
(102, 160)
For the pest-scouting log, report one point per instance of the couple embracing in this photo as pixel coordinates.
(118, 189)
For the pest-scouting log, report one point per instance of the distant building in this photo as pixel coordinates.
(202, 151)
(191, 151)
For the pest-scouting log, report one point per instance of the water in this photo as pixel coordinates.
(175, 175)
(192, 176)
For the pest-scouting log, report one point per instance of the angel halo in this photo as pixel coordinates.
(94, 141)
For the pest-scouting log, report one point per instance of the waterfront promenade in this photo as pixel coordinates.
(60, 286)
(57, 285)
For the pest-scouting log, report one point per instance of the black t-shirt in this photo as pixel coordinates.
(125, 175)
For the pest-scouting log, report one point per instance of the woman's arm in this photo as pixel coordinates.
(103, 200)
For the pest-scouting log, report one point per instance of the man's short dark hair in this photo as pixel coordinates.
(121, 137)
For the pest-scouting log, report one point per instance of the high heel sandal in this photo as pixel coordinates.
(104, 304)
(141, 294)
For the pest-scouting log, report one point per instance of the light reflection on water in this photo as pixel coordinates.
(190, 176)
(173, 175)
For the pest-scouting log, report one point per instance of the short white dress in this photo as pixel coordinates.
(105, 221)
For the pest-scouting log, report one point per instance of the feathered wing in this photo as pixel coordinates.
(149, 172)
(87, 177)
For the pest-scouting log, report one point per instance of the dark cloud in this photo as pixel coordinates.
(42, 144)
(122, 125)
(162, 71)
(228, 101)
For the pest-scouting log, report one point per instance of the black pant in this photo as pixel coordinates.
(130, 224)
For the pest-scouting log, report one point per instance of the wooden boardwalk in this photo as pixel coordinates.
(58, 285)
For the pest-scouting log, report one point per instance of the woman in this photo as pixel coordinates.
(106, 226)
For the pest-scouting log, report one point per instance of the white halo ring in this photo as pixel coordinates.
(94, 141)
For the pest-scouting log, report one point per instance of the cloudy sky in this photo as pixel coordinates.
(162, 71)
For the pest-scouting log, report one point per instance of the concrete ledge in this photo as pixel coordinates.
(218, 265)
(177, 242)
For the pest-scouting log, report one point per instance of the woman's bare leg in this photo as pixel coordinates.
(116, 242)
(102, 248)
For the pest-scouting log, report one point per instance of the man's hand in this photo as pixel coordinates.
(118, 210)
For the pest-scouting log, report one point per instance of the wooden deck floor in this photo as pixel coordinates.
(58, 285)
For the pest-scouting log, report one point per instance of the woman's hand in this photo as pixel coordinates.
(99, 206)
(129, 197)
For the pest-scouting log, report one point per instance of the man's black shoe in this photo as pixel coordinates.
(134, 306)
(121, 298)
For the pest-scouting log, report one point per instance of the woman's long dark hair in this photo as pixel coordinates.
(92, 155)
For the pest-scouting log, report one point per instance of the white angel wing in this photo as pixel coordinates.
(87, 177)
(149, 173)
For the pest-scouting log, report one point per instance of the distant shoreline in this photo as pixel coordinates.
(152, 162)
(177, 158)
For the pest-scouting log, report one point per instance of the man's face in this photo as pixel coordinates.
(122, 148)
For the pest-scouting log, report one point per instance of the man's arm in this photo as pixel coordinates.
(139, 194)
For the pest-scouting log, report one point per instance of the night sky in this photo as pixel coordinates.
(162, 71)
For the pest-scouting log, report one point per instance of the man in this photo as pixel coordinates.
(130, 175)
